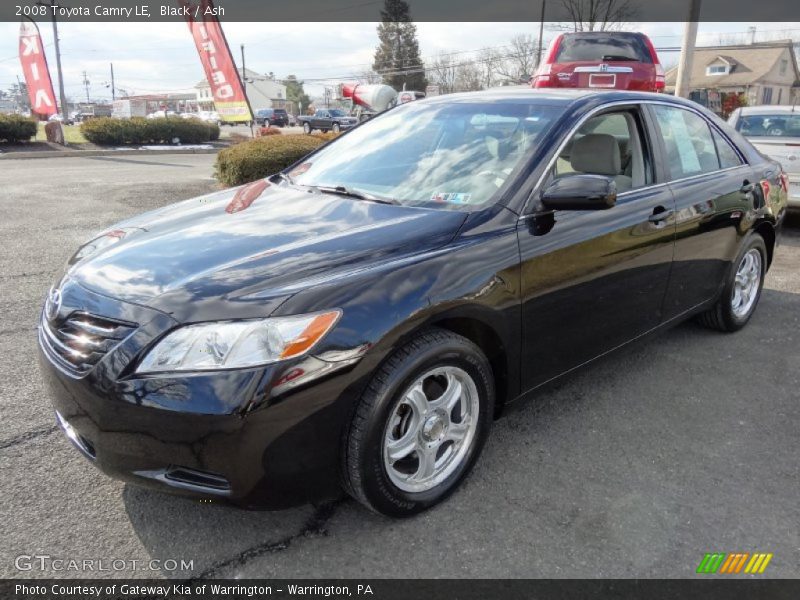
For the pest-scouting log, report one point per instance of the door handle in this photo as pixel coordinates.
(660, 214)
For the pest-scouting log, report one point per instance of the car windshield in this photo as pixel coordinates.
(447, 155)
(774, 125)
(603, 47)
(336, 113)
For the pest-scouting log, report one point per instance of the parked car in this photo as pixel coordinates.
(267, 117)
(58, 117)
(160, 114)
(362, 317)
(775, 131)
(601, 59)
(327, 119)
(210, 116)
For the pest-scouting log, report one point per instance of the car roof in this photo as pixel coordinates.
(769, 110)
(558, 96)
(604, 34)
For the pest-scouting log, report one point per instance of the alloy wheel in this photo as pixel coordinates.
(431, 429)
(746, 283)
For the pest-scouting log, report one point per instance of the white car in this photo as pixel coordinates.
(209, 116)
(775, 131)
(160, 114)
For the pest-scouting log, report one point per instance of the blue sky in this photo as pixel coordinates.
(156, 57)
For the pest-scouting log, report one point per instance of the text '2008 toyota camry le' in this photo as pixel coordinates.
(358, 320)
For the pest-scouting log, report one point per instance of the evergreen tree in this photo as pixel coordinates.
(295, 93)
(397, 56)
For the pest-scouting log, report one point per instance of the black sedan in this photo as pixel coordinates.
(360, 319)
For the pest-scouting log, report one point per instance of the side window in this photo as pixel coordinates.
(727, 155)
(610, 145)
(687, 138)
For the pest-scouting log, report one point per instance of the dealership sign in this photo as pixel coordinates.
(34, 66)
(230, 100)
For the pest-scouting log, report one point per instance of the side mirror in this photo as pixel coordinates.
(580, 192)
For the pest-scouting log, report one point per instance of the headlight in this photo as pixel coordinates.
(236, 344)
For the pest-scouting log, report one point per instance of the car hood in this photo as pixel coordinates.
(254, 246)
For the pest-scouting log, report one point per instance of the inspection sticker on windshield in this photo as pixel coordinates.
(451, 197)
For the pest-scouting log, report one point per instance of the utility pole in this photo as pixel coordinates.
(62, 96)
(86, 86)
(244, 79)
(541, 35)
(682, 87)
(18, 96)
(113, 89)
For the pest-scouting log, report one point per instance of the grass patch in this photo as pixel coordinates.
(72, 134)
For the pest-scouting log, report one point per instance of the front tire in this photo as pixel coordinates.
(336, 128)
(306, 128)
(420, 425)
(742, 291)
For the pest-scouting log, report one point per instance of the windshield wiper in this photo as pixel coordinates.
(351, 193)
(619, 58)
(287, 178)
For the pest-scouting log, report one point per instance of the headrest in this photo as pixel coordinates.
(596, 153)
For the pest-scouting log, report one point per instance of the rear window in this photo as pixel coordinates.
(603, 47)
(775, 125)
(280, 111)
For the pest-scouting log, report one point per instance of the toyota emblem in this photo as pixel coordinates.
(53, 303)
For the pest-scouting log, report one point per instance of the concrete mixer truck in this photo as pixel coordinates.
(372, 98)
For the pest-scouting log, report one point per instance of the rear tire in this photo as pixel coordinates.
(420, 425)
(742, 290)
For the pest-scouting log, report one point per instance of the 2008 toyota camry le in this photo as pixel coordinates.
(359, 320)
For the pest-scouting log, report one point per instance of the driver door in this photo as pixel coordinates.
(595, 279)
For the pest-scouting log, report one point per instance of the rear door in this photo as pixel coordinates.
(604, 60)
(712, 186)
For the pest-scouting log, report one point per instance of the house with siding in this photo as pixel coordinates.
(262, 91)
(759, 73)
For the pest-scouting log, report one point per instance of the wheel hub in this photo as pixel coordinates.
(433, 429)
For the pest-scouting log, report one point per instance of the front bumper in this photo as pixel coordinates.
(266, 437)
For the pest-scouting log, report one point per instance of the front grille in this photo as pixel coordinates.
(79, 341)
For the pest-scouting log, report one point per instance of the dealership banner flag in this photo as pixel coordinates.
(34, 66)
(227, 90)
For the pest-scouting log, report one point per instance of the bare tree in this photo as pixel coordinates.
(442, 71)
(599, 15)
(489, 62)
(369, 76)
(520, 59)
(468, 77)
(456, 75)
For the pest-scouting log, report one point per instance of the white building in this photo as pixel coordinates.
(262, 91)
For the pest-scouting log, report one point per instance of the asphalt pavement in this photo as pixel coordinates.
(633, 467)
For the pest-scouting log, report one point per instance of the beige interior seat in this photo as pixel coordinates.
(598, 154)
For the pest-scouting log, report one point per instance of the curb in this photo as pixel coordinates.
(88, 153)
